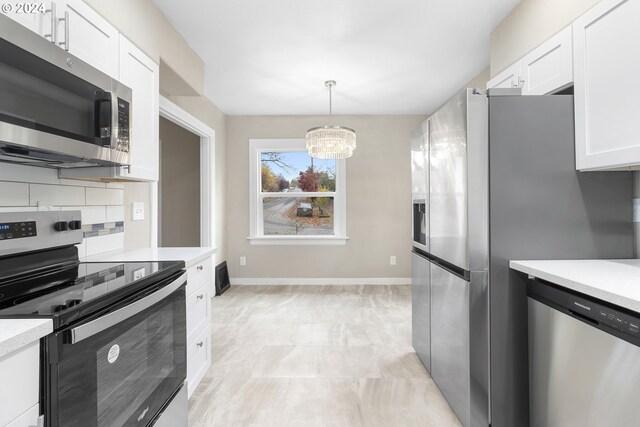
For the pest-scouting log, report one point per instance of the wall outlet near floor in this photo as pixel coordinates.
(243, 260)
(137, 211)
(392, 260)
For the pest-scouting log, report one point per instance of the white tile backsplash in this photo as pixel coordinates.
(60, 195)
(82, 183)
(90, 214)
(11, 172)
(19, 209)
(22, 187)
(115, 213)
(104, 196)
(99, 244)
(14, 194)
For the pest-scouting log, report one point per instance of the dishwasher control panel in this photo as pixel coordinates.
(604, 315)
(617, 321)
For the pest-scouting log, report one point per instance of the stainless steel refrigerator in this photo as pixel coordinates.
(500, 184)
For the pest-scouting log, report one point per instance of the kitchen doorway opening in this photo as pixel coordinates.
(183, 202)
(179, 186)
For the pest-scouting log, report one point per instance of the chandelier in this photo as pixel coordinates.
(331, 142)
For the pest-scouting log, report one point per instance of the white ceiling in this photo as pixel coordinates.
(388, 57)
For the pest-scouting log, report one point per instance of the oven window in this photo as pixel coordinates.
(132, 366)
(122, 376)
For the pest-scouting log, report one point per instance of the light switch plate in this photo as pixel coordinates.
(137, 213)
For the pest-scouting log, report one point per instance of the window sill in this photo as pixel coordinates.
(298, 240)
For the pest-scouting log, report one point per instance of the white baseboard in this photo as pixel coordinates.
(321, 281)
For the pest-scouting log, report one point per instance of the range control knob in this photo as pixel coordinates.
(61, 226)
(75, 225)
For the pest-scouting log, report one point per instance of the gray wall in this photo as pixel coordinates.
(179, 186)
(378, 201)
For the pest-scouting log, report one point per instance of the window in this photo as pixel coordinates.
(295, 199)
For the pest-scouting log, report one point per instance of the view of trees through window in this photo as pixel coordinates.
(296, 173)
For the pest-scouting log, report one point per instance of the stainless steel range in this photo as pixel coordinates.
(117, 355)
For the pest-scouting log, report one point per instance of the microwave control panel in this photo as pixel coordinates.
(123, 124)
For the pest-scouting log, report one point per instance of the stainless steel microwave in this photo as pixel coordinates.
(56, 110)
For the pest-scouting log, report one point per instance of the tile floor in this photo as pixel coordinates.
(316, 356)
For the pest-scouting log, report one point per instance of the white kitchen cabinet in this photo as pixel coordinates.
(142, 75)
(87, 35)
(199, 284)
(546, 69)
(509, 78)
(549, 67)
(37, 22)
(606, 42)
(19, 394)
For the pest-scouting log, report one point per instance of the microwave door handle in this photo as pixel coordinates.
(94, 327)
(114, 120)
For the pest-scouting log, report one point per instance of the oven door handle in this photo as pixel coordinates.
(89, 329)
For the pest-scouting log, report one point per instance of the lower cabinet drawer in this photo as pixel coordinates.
(19, 372)
(198, 312)
(199, 274)
(198, 358)
(28, 419)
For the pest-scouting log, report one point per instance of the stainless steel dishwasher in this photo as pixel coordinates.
(584, 360)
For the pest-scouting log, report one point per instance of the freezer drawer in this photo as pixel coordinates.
(580, 376)
(460, 343)
(421, 308)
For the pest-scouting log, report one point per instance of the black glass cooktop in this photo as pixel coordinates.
(72, 291)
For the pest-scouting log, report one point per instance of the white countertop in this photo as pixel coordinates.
(190, 256)
(614, 281)
(16, 333)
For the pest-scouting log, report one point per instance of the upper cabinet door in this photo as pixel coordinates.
(38, 17)
(141, 74)
(606, 43)
(549, 67)
(509, 78)
(87, 35)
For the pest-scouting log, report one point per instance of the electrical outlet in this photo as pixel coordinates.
(139, 273)
(243, 260)
(392, 260)
(137, 211)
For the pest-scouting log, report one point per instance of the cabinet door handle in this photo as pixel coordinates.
(52, 34)
(200, 296)
(65, 43)
(200, 344)
(200, 267)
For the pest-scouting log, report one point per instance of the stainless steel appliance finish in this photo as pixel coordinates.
(117, 353)
(94, 327)
(503, 186)
(420, 185)
(32, 65)
(176, 414)
(421, 308)
(581, 375)
(49, 229)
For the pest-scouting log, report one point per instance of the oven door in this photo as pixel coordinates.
(121, 368)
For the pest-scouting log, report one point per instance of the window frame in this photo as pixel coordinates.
(256, 229)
